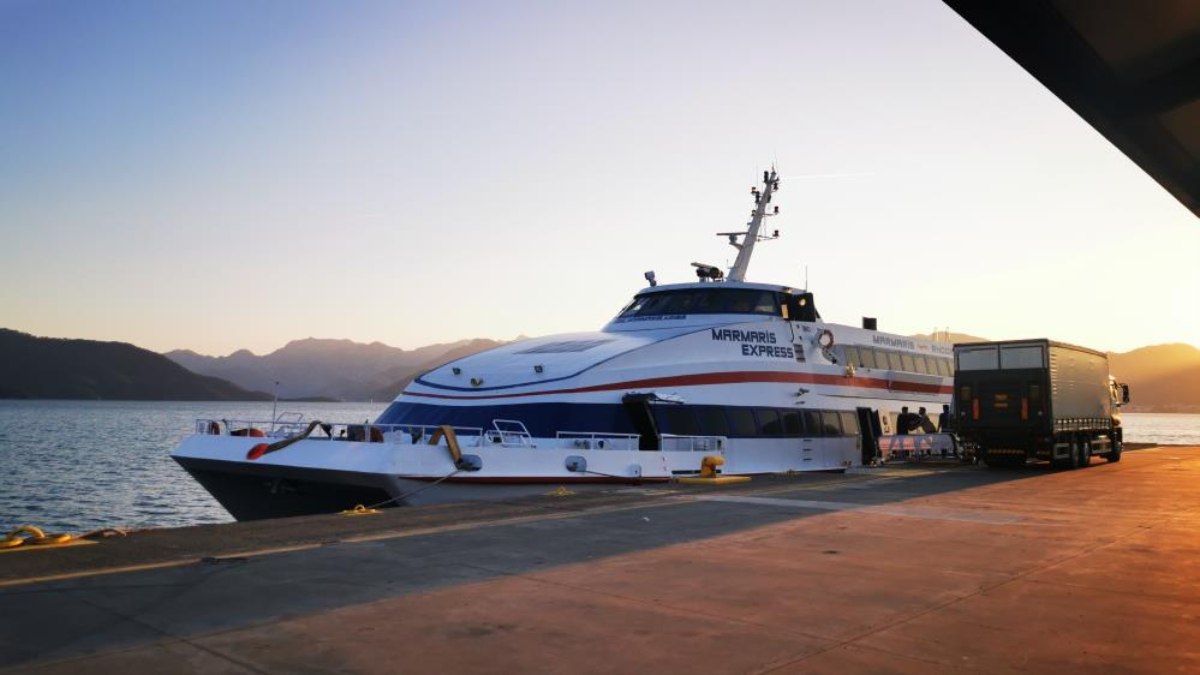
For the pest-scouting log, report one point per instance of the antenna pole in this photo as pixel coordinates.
(750, 237)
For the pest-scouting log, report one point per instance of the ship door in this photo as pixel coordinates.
(869, 428)
(637, 406)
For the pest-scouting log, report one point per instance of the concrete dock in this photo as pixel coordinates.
(917, 569)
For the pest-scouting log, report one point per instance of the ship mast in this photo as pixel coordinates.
(750, 237)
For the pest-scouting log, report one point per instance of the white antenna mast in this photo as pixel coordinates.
(750, 237)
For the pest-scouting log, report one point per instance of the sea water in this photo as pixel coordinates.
(76, 466)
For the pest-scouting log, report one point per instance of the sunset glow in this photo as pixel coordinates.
(226, 175)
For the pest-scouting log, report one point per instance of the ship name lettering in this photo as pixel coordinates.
(894, 341)
(762, 337)
(768, 351)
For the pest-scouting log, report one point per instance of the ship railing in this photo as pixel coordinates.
(361, 432)
(587, 440)
(678, 443)
(510, 434)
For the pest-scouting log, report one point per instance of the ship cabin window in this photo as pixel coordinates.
(831, 423)
(812, 423)
(866, 357)
(741, 422)
(922, 364)
(680, 419)
(851, 356)
(793, 423)
(849, 423)
(712, 421)
(704, 301)
(946, 366)
(769, 423)
(894, 361)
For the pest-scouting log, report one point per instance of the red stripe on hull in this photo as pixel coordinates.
(734, 377)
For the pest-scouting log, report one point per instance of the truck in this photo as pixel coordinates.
(1022, 400)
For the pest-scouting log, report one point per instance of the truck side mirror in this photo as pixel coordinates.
(1124, 393)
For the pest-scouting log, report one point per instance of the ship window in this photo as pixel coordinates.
(830, 423)
(943, 366)
(852, 357)
(712, 421)
(894, 361)
(866, 357)
(922, 364)
(741, 422)
(907, 364)
(849, 423)
(704, 301)
(812, 423)
(793, 423)
(680, 419)
(768, 422)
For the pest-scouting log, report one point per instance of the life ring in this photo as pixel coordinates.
(825, 339)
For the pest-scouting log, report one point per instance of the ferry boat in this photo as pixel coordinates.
(715, 377)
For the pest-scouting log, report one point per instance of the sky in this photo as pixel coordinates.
(227, 174)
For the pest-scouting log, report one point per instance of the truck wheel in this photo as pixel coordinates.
(1115, 454)
(1085, 454)
(1076, 458)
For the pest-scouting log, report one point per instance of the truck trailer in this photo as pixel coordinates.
(1021, 400)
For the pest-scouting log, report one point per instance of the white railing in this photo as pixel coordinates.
(412, 434)
(693, 443)
(510, 434)
(505, 433)
(587, 440)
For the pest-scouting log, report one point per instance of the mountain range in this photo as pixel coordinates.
(336, 369)
(38, 367)
(1162, 378)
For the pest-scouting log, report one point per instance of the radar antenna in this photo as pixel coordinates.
(751, 236)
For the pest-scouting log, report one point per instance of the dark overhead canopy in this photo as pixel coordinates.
(1130, 68)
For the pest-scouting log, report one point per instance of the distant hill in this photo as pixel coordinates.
(1161, 378)
(952, 338)
(38, 367)
(338, 369)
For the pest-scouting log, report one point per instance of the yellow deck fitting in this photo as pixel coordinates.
(560, 491)
(359, 510)
(708, 473)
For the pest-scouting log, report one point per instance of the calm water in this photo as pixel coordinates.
(80, 465)
(76, 466)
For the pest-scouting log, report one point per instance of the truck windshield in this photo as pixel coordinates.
(704, 301)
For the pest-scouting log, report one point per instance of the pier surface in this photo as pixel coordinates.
(919, 569)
